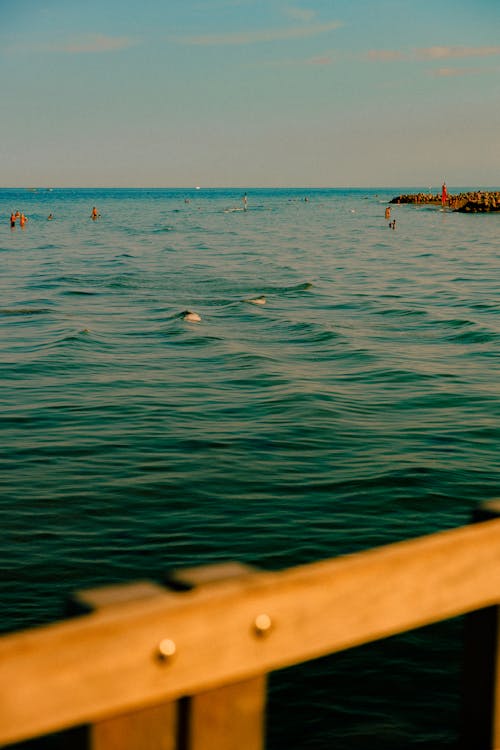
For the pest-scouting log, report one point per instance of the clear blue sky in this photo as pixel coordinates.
(250, 93)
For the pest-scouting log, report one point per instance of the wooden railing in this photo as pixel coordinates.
(155, 669)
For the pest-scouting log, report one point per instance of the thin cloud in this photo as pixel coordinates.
(326, 59)
(452, 72)
(301, 14)
(320, 60)
(266, 35)
(440, 53)
(433, 53)
(97, 43)
(385, 55)
(87, 44)
(448, 72)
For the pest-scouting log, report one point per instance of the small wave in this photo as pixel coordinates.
(124, 283)
(190, 338)
(474, 337)
(302, 287)
(61, 339)
(457, 323)
(24, 311)
(310, 333)
(79, 293)
(483, 306)
(465, 331)
(398, 312)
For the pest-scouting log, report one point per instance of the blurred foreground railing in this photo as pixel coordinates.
(156, 669)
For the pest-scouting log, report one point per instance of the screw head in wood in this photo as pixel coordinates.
(166, 649)
(262, 624)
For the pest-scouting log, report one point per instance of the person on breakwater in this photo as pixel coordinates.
(444, 194)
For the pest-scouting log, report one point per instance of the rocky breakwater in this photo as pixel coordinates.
(480, 201)
(477, 202)
(418, 199)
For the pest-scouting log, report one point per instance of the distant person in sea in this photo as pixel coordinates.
(392, 224)
(444, 194)
(50, 217)
(388, 212)
(13, 220)
(245, 202)
(22, 221)
(95, 214)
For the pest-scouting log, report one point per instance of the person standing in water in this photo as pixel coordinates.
(95, 214)
(388, 212)
(12, 220)
(245, 202)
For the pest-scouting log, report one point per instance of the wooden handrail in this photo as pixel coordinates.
(165, 645)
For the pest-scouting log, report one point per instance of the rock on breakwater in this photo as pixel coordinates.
(479, 201)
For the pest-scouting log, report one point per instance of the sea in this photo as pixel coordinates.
(340, 391)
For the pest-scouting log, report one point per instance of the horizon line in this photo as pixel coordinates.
(45, 188)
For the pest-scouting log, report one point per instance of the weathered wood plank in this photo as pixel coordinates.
(120, 593)
(153, 728)
(204, 575)
(104, 663)
(227, 718)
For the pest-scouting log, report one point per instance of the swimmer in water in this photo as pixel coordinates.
(13, 220)
(191, 317)
(95, 214)
(22, 221)
(258, 300)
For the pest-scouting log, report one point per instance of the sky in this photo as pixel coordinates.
(249, 93)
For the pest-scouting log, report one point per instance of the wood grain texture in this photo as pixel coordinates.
(227, 718)
(153, 728)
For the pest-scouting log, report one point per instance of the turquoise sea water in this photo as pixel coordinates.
(359, 406)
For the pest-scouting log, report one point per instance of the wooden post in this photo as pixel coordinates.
(151, 728)
(230, 717)
(481, 673)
